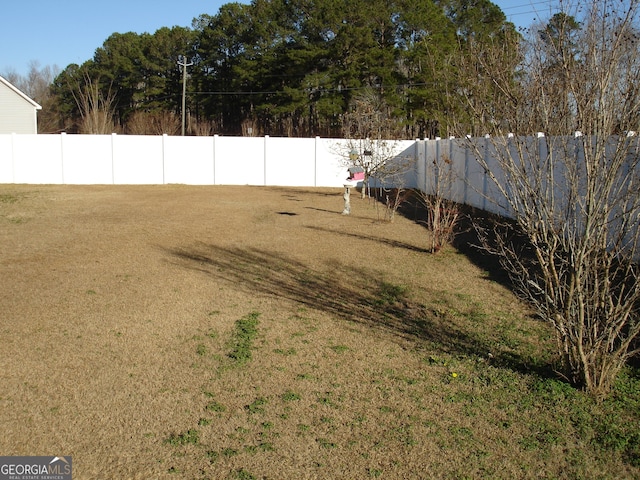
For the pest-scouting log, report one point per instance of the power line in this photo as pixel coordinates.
(531, 6)
(324, 90)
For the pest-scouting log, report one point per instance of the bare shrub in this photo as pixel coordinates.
(443, 214)
(391, 173)
(202, 128)
(393, 199)
(153, 123)
(572, 248)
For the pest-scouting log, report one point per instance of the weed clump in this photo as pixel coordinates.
(190, 437)
(246, 330)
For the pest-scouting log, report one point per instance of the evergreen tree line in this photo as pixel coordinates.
(290, 68)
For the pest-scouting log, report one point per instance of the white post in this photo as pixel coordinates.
(347, 199)
(315, 161)
(13, 157)
(264, 159)
(63, 136)
(113, 158)
(164, 147)
(215, 137)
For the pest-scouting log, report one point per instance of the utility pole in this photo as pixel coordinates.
(184, 66)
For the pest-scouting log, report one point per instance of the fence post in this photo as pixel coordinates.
(541, 156)
(63, 136)
(466, 170)
(264, 180)
(485, 176)
(315, 161)
(436, 170)
(417, 149)
(215, 137)
(164, 146)
(113, 158)
(13, 158)
(423, 177)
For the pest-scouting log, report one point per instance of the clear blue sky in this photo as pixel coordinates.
(69, 31)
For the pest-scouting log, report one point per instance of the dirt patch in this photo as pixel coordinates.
(120, 306)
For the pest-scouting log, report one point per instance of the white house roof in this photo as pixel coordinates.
(23, 95)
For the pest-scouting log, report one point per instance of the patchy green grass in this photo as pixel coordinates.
(369, 358)
(245, 333)
(15, 207)
(475, 416)
(7, 198)
(189, 437)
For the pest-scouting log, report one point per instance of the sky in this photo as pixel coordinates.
(525, 12)
(63, 32)
(59, 33)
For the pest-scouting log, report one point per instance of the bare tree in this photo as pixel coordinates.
(97, 109)
(39, 81)
(572, 247)
(36, 84)
(370, 130)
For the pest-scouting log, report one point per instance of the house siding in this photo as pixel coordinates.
(17, 114)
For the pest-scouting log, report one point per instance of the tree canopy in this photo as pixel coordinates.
(293, 67)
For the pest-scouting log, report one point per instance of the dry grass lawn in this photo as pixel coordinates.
(244, 332)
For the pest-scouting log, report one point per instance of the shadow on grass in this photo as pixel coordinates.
(385, 241)
(353, 294)
(466, 239)
(293, 194)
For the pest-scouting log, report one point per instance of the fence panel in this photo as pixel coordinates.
(476, 183)
(239, 160)
(189, 160)
(421, 165)
(137, 160)
(459, 156)
(6, 159)
(408, 156)
(37, 159)
(495, 202)
(290, 162)
(331, 155)
(87, 159)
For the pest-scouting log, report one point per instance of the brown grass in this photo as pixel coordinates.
(372, 358)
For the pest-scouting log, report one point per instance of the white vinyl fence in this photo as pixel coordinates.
(269, 161)
(134, 159)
